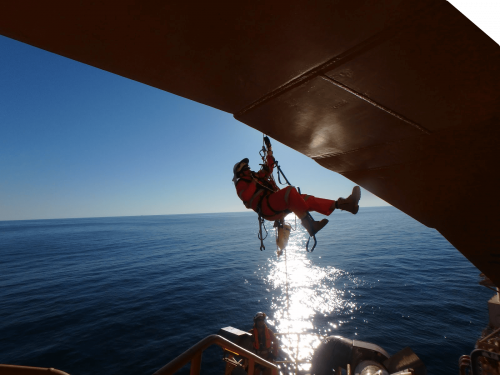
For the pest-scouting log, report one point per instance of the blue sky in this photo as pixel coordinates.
(76, 141)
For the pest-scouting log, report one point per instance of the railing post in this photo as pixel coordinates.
(193, 356)
(251, 364)
(297, 355)
(229, 367)
(196, 364)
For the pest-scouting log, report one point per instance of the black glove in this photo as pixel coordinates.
(271, 357)
(267, 142)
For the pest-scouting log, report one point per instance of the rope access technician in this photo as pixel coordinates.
(259, 192)
(265, 344)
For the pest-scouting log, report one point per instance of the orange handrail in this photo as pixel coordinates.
(194, 353)
(26, 370)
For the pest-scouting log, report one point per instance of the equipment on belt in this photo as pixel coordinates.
(282, 235)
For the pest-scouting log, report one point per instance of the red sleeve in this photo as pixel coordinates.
(263, 173)
(270, 162)
(245, 190)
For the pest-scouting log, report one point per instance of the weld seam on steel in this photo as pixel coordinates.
(333, 63)
(338, 60)
(375, 104)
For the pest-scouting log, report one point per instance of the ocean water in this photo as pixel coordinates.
(128, 294)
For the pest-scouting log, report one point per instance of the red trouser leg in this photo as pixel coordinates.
(321, 205)
(290, 199)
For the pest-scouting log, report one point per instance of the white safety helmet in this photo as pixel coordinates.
(259, 316)
(238, 167)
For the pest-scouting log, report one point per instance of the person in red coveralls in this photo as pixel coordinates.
(265, 343)
(259, 192)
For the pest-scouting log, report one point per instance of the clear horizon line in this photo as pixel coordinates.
(193, 213)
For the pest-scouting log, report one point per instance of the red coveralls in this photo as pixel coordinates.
(277, 205)
(263, 346)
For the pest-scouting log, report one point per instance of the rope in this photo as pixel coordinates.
(262, 224)
(281, 223)
(263, 155)
(264, 186)
(286, 278)
(280, 172)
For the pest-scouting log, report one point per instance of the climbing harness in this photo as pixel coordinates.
(279, 225)
(269, 185)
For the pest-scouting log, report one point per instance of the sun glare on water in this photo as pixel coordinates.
(303, 292)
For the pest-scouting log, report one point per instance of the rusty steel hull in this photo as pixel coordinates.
(399, 96)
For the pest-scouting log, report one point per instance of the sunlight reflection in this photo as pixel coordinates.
(303, 291)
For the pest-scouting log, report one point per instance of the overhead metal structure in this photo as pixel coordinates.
(399, 96)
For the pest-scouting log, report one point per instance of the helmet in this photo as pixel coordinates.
(239, 167)
(259, 316)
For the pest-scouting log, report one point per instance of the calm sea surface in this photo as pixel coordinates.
(126, 295)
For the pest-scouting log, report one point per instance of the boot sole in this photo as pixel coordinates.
(323, 223)
(356, 193)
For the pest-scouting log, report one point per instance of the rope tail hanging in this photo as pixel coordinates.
(287, 298)
(263, 154)
(261, 238)
(280, 173)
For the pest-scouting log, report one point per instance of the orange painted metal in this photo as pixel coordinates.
(400, 96)
(26, 370)
(196, 364)
(224, 54)
(195, 352)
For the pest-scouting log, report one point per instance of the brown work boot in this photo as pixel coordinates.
(312, 226)
(350, 203)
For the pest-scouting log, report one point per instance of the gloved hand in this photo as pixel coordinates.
(271, 357)
(267, 142)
